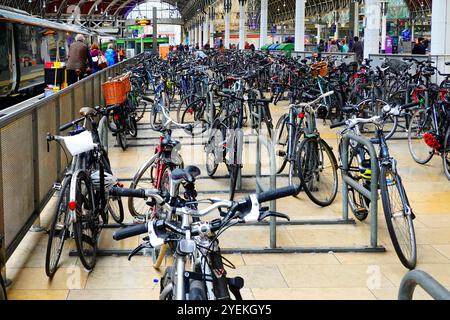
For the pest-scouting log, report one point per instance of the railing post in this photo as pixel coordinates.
(36, 227)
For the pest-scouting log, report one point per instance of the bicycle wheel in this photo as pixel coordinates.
(156, 118)
(2, 289)
(194, 114)
(372, 108)
(58, 230)
(121, 139)
(214, 149)
(234, 166)
(115, 208)
(281, 143)
(359, 204)
(419, 125)
(132, 126)
(86, 225)
(140, 110)
(166, 289)
(446, 154)
(317, 169)
(183, 105)
(398, 219)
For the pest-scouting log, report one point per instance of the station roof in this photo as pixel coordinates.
(188, 8)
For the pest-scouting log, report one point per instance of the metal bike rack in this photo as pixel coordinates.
(424, 280)
(373, 247)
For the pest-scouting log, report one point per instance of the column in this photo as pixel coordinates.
(211, 26)
(206, 29)
(199, 40)
(155, 30)
(440, 27)
(227, 9)
(336, 31)
(319, 29)
(372, 27)
(384, 8)
(299, 25)
(242, 19)
(263, 24)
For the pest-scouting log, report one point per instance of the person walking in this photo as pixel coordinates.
(358, 49)
(79, 60)
(95, 56)
(334, 47)
(111, 55)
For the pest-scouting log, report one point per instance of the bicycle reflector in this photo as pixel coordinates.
(431, 141)
(72, 205)
(301, 115)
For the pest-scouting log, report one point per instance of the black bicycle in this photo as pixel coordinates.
(397, 210)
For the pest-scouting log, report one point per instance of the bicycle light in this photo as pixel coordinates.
(72, 205)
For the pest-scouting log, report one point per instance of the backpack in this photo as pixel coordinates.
(110, 57)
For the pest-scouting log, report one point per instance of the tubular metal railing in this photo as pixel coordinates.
(426, 282)
(27, 170)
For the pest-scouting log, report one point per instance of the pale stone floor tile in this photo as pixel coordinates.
(444, 249)
(313, 294)
(267, 276)
(395, 272)
(392, 294)
(115, 294)
(290, 258)
(331, 276)
(123, 278)
(37, 294)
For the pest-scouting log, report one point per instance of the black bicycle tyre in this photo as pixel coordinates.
(81, 224)
(279, 131)
(119, 215)
(51, 267)
(305, 186)
(446, 154)
(385, 199)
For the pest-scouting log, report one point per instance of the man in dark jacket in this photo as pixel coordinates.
(79, 61)
(358, 49)
(419, 48)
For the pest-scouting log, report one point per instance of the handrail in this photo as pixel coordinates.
(426, 282)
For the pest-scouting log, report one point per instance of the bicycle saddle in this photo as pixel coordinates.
(187, 174)
(87, 111)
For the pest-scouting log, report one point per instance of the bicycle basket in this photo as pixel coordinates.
(320, 68)
(114, 92)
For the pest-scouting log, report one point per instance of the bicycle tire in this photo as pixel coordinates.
(166, 288)
(309, 173)
(84, 230)
(116, 212)
(214, 149)
(140, 110)
(446, 154)
(3, 295)
(51, 265)
(197, 111)
(410, 260)
(281, 134)
(133, 128)
(121, 139)
(420, 152)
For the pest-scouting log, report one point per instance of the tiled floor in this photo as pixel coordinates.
(267, 276)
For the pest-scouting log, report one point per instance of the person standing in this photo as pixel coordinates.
(334, 47)
(111, 55)
(344, 46)
(95, 56)
(358, 49)
(79, 60)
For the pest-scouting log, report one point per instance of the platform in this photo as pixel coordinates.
(269, 276)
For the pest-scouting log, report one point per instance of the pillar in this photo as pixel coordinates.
(319, 29)
(372, 27)
(299, 25)
(263, 24)
(155, 30)
(200, 27)
(227, 9)
(211, 26)
(383, 26)
(336, 31)
(242, 19)
(440, 27)
(206, 29)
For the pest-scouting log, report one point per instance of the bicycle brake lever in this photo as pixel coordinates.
(268, 213)
(143, 245)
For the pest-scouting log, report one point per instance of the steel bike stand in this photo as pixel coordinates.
(372, 247)
(416, 277)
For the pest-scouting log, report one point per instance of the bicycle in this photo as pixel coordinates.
(156, 170)
(198, 271)
(69, 219)
(399, 220)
